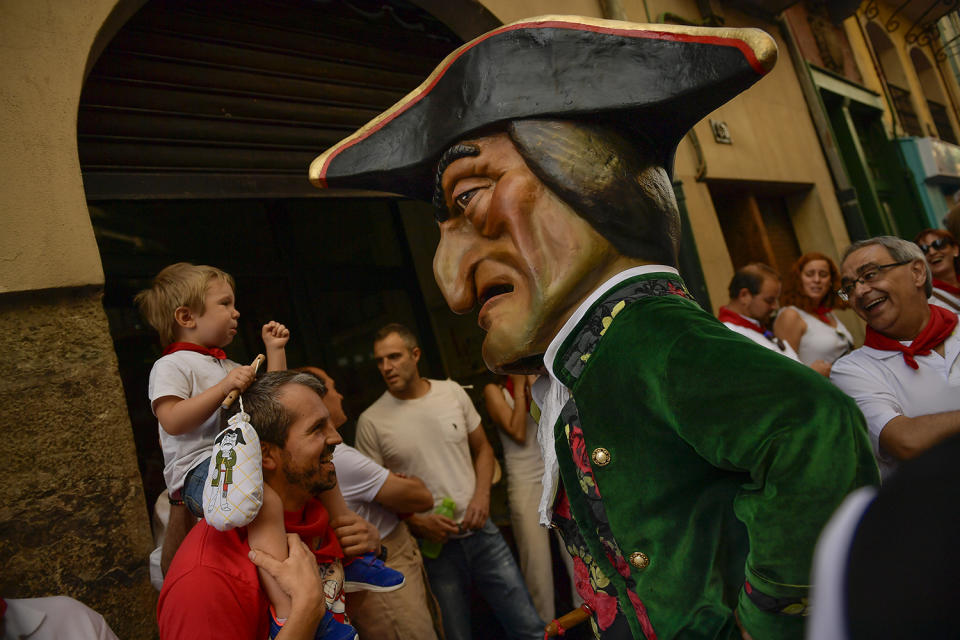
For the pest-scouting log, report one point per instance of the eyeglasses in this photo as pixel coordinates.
(866, 277)
(938, 244)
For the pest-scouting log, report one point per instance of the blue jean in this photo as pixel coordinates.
(484, 560)
(193, 486)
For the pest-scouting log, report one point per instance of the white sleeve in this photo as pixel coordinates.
(878, 404)
(359, 477)
(470, 414)
(168, 378)
(367, 441)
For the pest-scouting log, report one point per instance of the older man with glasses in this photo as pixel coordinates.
(906, 377)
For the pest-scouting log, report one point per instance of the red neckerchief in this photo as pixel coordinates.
(823, 313)
(733, 317)
(189, 346)
(949, 288)
(508, 385)
(941, 325)
(313, 526)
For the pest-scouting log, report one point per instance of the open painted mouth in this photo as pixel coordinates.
(494, 290)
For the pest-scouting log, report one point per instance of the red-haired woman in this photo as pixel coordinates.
(806, 320)
(943, 255)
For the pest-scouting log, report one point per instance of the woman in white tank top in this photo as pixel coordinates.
(807, 321)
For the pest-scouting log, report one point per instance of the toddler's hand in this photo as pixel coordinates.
(239, 378)
(275, 335)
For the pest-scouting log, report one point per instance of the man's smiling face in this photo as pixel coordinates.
(893, 302)
(516, 249)
(307, 455)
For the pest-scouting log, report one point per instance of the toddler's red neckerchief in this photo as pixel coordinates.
(189, 346)
(949, 288)
(824, 314)
(313, 526)
(941, 325)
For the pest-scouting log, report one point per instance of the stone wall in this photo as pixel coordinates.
(73, 519)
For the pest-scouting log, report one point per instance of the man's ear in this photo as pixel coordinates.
(415, 352)
(270, 454)
(185, 317)
(919, 269)
(744, 295)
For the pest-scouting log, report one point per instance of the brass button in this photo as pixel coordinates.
(639, 560)
(600, 456)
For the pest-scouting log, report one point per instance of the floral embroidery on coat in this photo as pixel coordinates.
(592, 584)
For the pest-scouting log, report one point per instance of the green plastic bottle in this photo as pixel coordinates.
(429, 548)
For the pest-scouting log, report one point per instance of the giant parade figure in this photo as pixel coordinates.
(688, 469)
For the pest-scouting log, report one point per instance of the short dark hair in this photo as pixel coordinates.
(408, 337)
(615, 181)
(270, 419)
(751, 277)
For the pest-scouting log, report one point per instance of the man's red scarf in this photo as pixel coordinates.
(941, 325)
(949, 288)
(725, 315)
(189, 346)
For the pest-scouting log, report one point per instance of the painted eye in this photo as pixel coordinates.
(463, 200)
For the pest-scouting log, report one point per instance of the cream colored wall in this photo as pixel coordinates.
(774, 140)
(511, 10)
(47, 239)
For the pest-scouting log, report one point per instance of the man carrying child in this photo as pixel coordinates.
(212, 589)
(193, 309)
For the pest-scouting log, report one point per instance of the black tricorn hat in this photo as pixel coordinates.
(655, 80)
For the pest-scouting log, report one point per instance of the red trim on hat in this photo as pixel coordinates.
(744, 48)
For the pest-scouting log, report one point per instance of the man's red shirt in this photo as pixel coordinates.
(212, 590)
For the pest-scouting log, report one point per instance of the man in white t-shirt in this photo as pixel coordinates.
(754, 296)
(906, 377)
(378, 495)
(430, 429)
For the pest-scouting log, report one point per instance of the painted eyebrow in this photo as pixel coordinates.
(454, 153)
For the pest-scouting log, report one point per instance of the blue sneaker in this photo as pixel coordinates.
(329, 628)
(368, 573)
(332, 629)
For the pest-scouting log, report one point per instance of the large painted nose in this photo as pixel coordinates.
(453, 264)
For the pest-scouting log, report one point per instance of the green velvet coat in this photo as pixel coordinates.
(718, 460)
